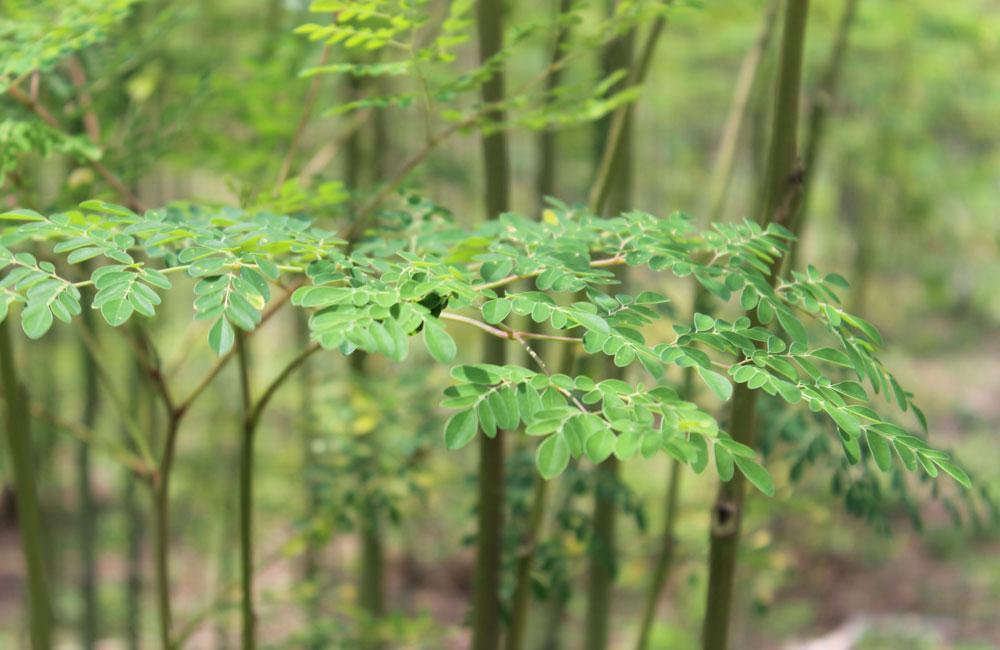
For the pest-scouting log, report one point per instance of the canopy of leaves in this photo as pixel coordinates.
(375, 297)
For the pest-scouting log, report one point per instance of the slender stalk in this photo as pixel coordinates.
(555, 613)
(371, 595)
(141, 405)
(725, 153)
(545, 174)
(40, 619)
(246, 497)
(861, 215)
(490, 512)
(612, 175)
(781, 187)
(161, 485)
(609, 163)
(161, 529)
(719, 183)
(87, 511)
(615, 195)
(665, 559)
(46, 445)
(371, 567)
(255, 413)
(825, 96)
(307, 413)
(371, 578)
(308, 105)
(516, 629)
(602, 557)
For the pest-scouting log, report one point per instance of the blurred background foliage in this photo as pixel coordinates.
(199, 100)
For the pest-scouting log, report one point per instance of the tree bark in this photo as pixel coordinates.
(782, 185)
(18, 433)
(490, 515)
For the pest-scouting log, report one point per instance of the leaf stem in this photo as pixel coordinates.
(509, 334)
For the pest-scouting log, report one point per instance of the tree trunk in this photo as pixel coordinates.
(39, 606)
(823, 100)
(490, 515)
(781, 187)
(87, 511)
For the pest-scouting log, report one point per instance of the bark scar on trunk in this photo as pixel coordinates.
(725, 518)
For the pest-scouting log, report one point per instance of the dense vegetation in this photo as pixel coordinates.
(269, 273)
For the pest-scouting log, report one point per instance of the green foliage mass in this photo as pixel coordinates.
(374, 302)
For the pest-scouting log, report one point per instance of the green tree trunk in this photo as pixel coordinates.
(545, 173)
(248, 616)
(603, 556)
(161, 530)
(545, 185)
(715, 201)
(490, 510)
(371, 578)
(87, 511)
(142, 409)
(18, 433)
(307, 415)
(824, 97)
(780, 191)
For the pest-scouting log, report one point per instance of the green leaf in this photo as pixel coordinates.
(36, 320)
(833, 356)
(717, 383)
(756, 474)
(83, 254)
(792, 325)
(21, 215)
(703, 322)
(221, 337)
(701, 453)
(552, 456)
(460, 429)
(438, 342)
(591, 321)
(880, 450)
(955, 472)
(723, 462)
(487, 419)
(867, 328)
(600, 445)
(116, 312)
(494, 311)
(503, 403)
(847, 422)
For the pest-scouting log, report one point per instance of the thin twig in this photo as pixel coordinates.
(272, 388)
(510, 279)
(89, 436)
(309, 103)
(121, 406)
(519, 337)
(505, 334)
(183, 406)
(79, 79)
